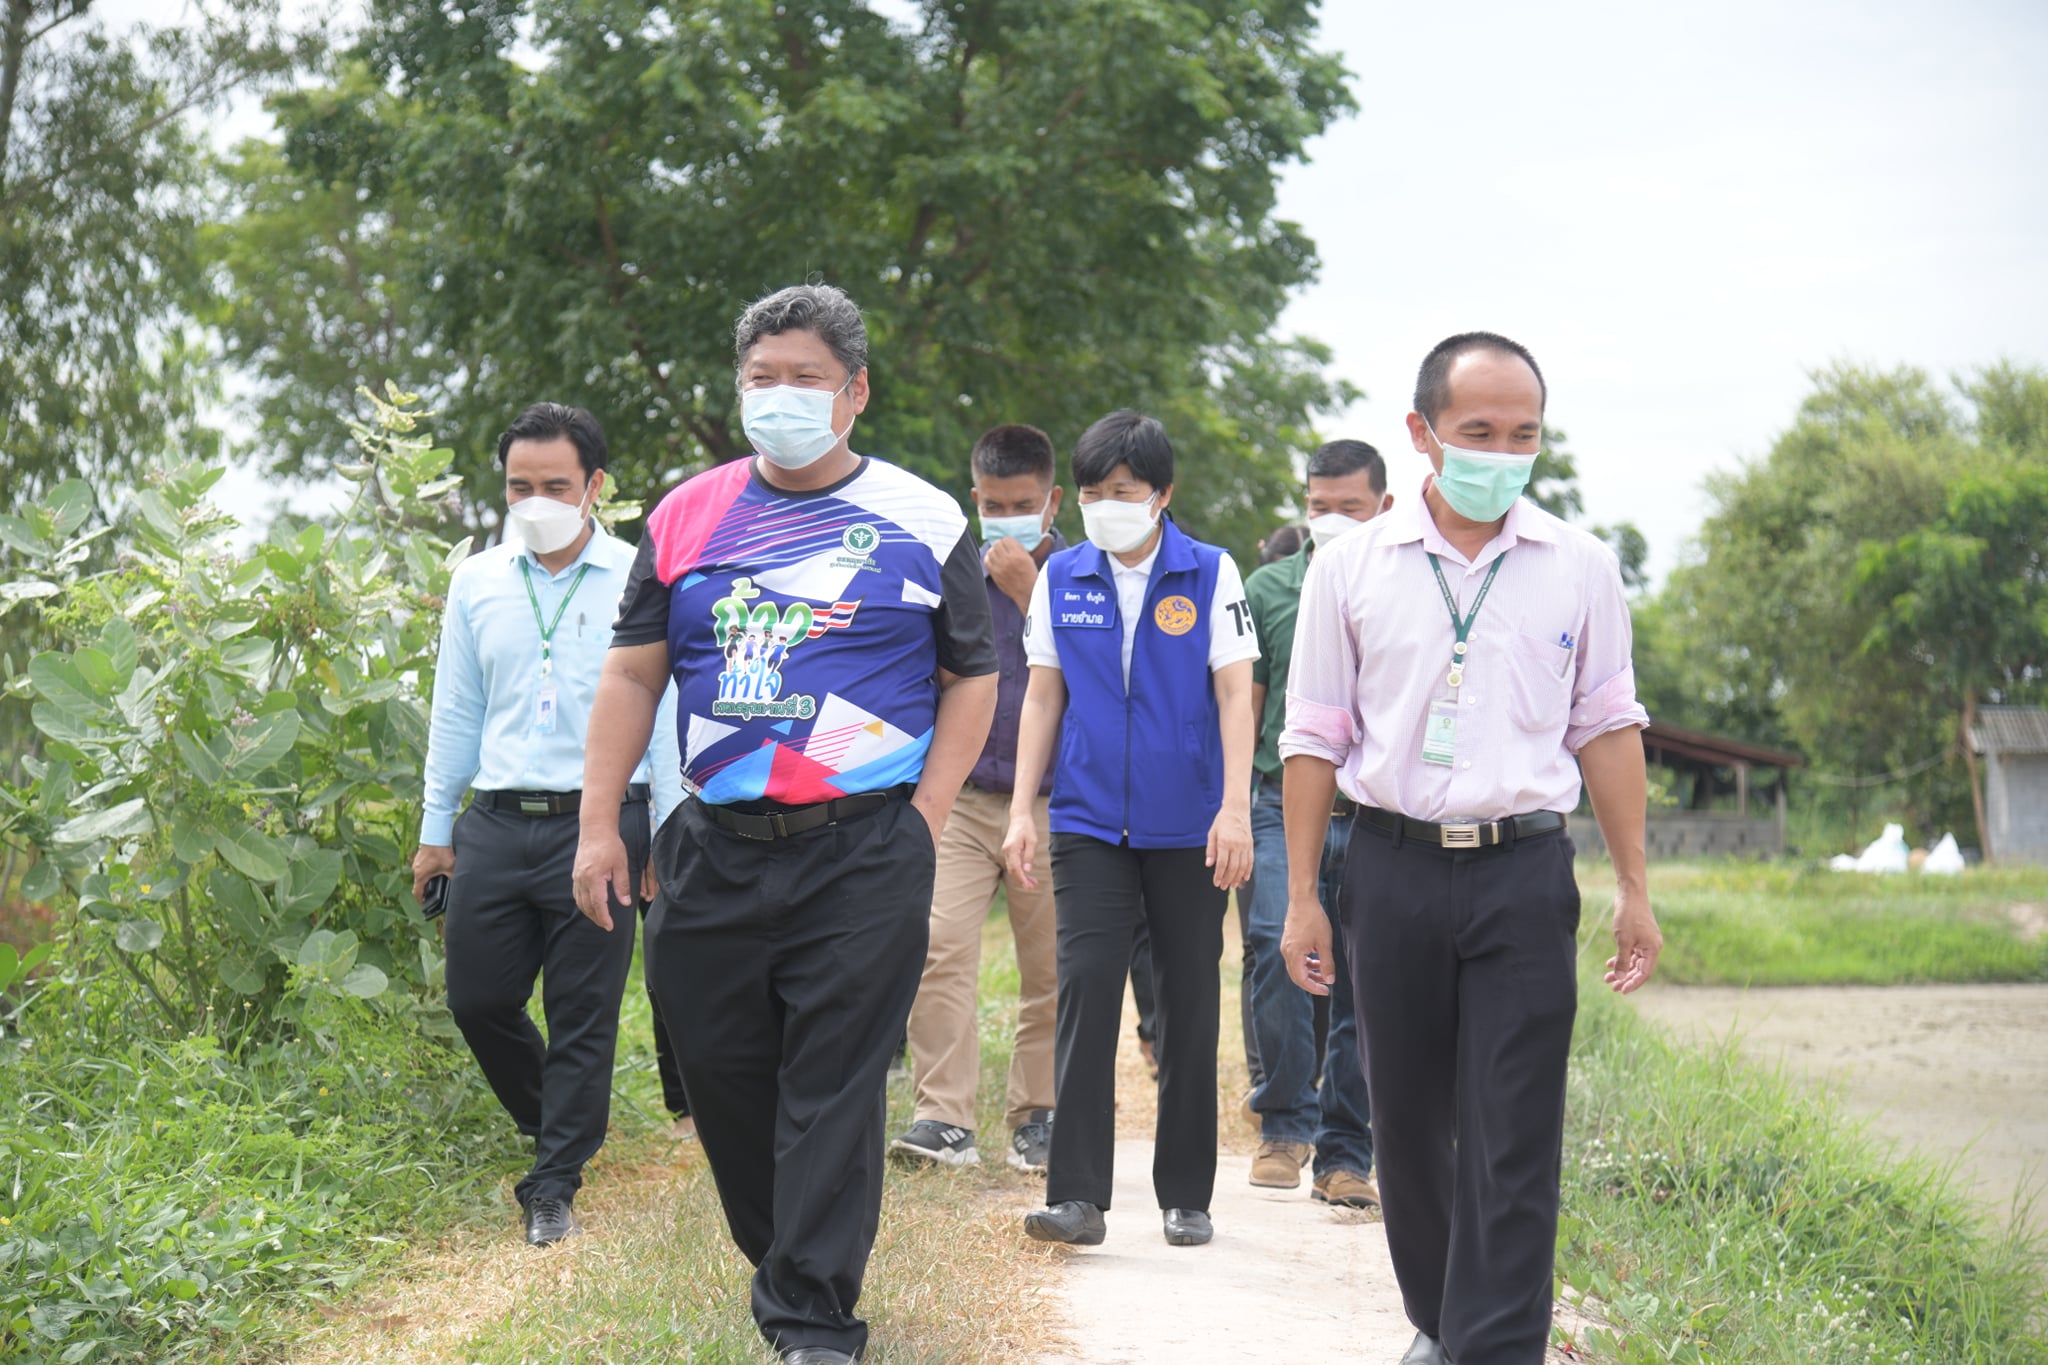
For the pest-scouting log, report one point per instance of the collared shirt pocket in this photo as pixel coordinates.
(1539, 683)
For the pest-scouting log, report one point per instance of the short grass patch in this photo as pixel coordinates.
(1719, 1213)
(1788, 924)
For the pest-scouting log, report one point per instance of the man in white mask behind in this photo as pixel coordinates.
(525, 634)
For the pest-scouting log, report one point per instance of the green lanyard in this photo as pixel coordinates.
(547, 632)
(1463, 625)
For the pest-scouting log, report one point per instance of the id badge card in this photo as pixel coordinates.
(544, 709)
(1440, 734)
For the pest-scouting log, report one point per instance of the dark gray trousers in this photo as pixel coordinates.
(785, 970)
(1463, 967)
(512, 917)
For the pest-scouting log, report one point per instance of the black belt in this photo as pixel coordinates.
(769, 825)
(1470, 834)
(549, 803)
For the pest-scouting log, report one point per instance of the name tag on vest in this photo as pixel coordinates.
(1088, 607)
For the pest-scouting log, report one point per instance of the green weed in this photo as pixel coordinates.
(1720, 1214)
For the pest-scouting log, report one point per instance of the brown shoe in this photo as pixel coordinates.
(1278, 1164)
(1346, 1188)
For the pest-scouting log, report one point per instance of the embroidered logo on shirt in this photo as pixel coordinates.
(859, 542)
(1175, 615)
(756, 641)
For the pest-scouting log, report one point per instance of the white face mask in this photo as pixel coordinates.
(790, 426)
(545, 525)
(1330, 525)
(1118, 527)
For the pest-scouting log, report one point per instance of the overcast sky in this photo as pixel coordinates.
(1682, 210)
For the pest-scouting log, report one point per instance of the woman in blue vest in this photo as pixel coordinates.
(1141, 648)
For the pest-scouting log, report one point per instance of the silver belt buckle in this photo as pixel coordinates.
(533, 806)
(1459, 836)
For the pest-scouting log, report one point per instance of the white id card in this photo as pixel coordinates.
(1440, 734)
(544, 709)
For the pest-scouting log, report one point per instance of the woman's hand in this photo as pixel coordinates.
(1230, 845)
(1020, 846)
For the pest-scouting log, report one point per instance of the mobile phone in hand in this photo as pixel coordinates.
(434, 903)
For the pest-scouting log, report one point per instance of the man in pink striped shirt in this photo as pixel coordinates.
(1459, 663)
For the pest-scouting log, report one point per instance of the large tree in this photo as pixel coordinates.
(101, 205)
(1048, 208)
(1847, 590)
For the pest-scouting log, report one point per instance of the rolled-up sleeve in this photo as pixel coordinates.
(1604, 680)
(1322, 676)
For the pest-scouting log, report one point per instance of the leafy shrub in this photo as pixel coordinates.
(232, 744)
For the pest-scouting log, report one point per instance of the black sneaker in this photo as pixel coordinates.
(930, 1140)
(1031, 1142)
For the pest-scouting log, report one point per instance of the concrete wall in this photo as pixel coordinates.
(1692, 834)
(2016, 807)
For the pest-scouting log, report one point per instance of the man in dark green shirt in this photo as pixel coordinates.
(1347, 486)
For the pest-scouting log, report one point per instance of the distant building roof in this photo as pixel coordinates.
(2011, 730)
(1701, 747)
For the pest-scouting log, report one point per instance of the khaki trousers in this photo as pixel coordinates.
(945, 1045)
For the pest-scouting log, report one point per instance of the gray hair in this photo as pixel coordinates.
(821, 309)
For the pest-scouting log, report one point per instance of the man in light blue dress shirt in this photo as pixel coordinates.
(524, 637)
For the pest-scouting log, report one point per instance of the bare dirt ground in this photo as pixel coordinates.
(1958, 1072)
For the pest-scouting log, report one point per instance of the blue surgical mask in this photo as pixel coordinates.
(1026, 530)
(791, 427)
(1481, 485)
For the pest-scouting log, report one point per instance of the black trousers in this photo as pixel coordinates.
(1463, 967)
(512, 917)
(1102, 892)
(673, 1097)
(785, 971)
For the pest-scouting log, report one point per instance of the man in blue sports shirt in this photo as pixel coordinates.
(789, 932)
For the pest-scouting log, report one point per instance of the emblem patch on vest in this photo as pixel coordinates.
(1174, 615)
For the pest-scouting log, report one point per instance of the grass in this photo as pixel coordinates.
(1785, 924)
(655, 1277)
(1720, 1213)
(156, 1199)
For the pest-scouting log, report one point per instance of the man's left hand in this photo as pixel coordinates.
(1014, 570)
(1637, 942)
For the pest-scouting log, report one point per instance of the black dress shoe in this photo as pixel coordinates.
(549, 1220)
(816, 1355)
(1425, 1350)
(1188, 1227)
(1071, 1221)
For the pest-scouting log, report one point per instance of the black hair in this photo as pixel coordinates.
(1339, 458)
(552, 421)
(823, 310)
(1007, 451)
(1283, 542)
(1433, 380)
(1124, 438)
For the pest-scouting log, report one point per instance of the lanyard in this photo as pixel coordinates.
(1462, 625)
(547, 632)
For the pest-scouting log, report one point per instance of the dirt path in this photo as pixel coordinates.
(1959, 1072)
(1286, 1279)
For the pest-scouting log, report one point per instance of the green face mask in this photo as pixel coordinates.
(1481, 485)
